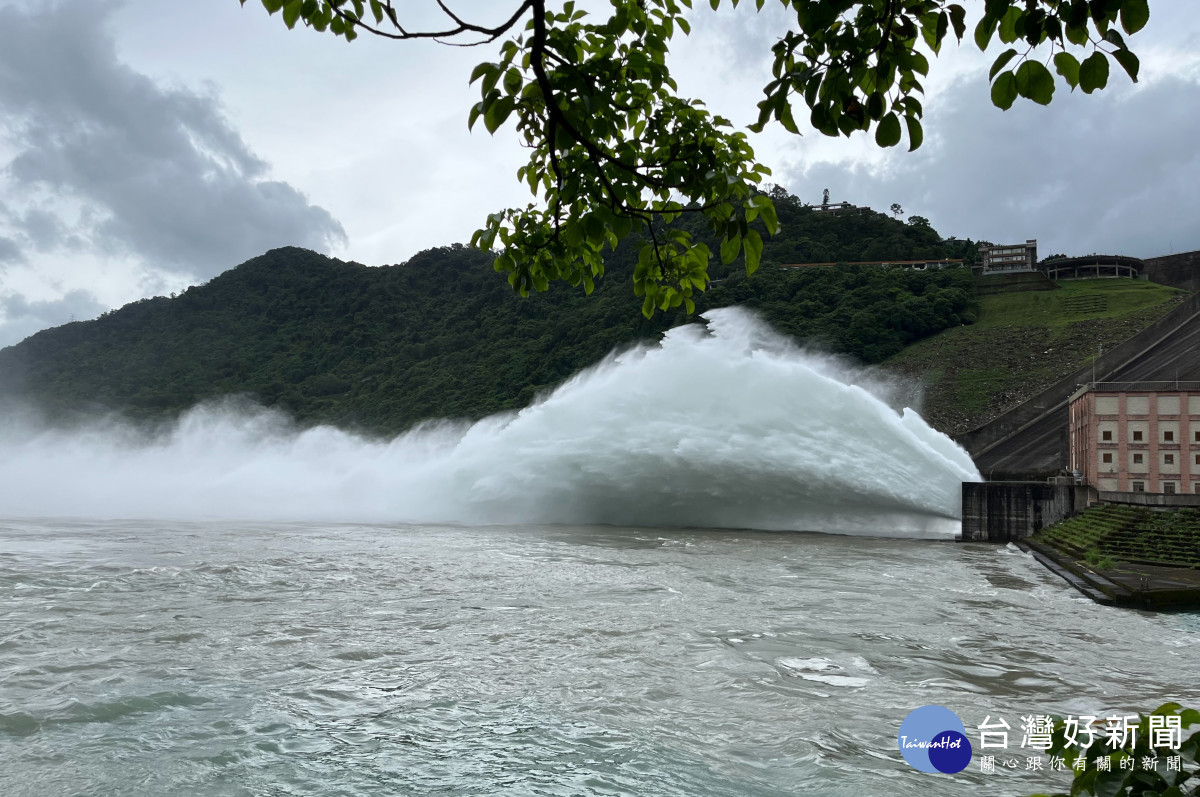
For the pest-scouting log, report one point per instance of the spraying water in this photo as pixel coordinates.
(724, 425)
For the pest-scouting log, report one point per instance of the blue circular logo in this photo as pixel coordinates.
(933, 739)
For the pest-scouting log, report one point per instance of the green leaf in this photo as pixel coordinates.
(915, 134)
(291, 12)
(984, 32)
(1035, 82)
(730, 247)
(1009, 25)
(1004, 91)
(888, 132)
(512, 81)
(497, 111)
(1001, 62)
(1067, 66)
(479, 71)
(594, 228)
(1077, 34)
(769, 216)
(943, 26)
(1093, 72)
(754, 247)
(1129, 62)
(1134, 15)
(875, 105)
(958, 17)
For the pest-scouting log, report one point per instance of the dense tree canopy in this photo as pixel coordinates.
(614, 148)
(383, 348)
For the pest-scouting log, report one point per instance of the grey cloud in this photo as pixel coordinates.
(20, 318)
(1114, 172)
(44, 230)
(10, 252)
(159, 171)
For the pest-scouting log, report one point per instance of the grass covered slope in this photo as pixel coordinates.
(1024, 342)
(1105, 535)
(1127, 555)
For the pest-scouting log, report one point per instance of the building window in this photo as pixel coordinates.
(1168, 459)
(1169, 488)
(1198, 437)
(1106, 436)
(1137, 437)
(1137, 459)
(1106, 457)
(1198, 459)
(1196, 487)
(1138, 487)
(1168, 437)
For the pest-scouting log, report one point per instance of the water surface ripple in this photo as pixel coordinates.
(143, 658)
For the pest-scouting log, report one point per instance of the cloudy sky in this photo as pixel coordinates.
(146, 146)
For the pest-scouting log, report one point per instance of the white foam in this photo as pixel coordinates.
(720, 426)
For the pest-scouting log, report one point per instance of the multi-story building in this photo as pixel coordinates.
(1008, 257)
(1137, 436)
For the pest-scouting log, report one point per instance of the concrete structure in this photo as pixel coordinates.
(999, 258)
(840, 207)
(1178, 271)
(1011, 511)
(1140, 437)
(1151, 499)
(1032, 437)
(1093, 267)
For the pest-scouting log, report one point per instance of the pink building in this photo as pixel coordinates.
(1137, 436)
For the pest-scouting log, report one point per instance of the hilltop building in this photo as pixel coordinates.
(1137, 436)
(1003, 258)
(840, 207)
(1093, 267)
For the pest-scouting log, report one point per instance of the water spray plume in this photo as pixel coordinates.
(720, 425)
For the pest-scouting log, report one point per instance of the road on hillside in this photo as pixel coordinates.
(1044, 446)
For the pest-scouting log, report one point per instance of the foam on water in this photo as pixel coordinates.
(723, 425)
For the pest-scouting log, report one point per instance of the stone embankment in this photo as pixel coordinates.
(1119, 549)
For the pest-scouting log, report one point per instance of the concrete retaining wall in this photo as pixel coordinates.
(1151, 499)
(1010, 511)
(1178, 271)
(1023, 415)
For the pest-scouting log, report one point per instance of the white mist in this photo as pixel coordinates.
(725, 426)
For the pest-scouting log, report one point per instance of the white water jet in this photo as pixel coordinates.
(729, 426)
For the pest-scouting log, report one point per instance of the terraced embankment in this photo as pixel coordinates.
(1127, 555)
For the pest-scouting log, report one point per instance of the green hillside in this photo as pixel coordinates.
(1024, 342)
(443, 336)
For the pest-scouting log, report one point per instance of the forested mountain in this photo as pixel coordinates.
(443, 335)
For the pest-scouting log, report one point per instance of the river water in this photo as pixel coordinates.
(518, 606)
(222, 658)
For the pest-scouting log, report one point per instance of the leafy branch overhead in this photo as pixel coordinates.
(615, 150)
